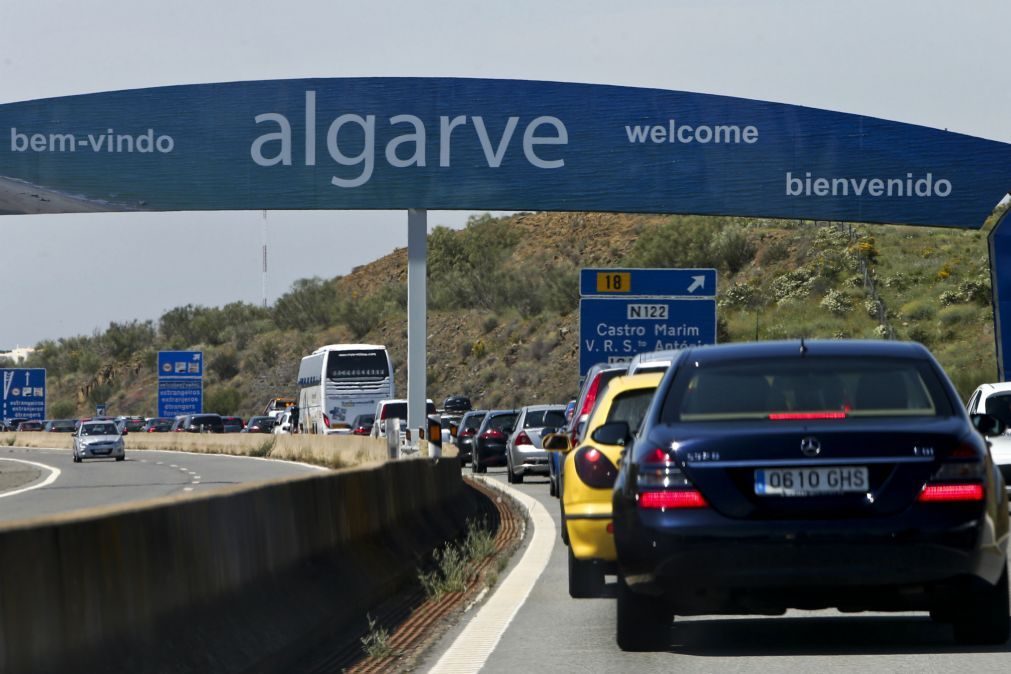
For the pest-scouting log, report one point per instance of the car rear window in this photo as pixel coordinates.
(999, 405)
(544, 419)
(502, 421)
(789, 388)
(630, 407)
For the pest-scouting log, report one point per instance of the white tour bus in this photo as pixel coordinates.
(338, 382)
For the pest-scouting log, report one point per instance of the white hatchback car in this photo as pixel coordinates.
(995, 400)
(98, 440)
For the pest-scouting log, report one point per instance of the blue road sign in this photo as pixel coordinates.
(613, 330)
(180, 364)
(180, 396)
(24, 393)
(180, 383)
(655, 282)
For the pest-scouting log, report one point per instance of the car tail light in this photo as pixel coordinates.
(591, 396)
(966, 491)
(661, 485)
(663, 500)
(361, 430)
(523, 439)
(466, 433)
(805, 416)
(594, 468)
(493, 434)
(326, 421)
(958, 478)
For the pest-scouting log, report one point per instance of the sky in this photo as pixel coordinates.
(939, 64)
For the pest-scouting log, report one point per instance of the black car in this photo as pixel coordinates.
(456, 405)
(466, 433)
(362, 424)
(203, 423)
(260, 424)
(809, 475)
(490, 441)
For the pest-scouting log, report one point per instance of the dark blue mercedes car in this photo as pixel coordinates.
(809, 475)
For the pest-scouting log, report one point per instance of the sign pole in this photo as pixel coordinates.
(417, 306)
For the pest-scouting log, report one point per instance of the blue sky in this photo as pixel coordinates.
(939, 64)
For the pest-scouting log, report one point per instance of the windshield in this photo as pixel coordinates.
(99, 429)
(357, 365)
(789, 388)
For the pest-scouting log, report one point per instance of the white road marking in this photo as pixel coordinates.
(475, 643)
(53, 474)
(187, 488)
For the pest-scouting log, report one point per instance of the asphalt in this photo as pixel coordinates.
(144, 474)
(552, 632)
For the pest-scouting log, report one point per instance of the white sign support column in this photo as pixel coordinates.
(417, 330)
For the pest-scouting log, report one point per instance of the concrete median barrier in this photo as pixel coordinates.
(223, 581)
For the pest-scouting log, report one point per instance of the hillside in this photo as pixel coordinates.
(503, 307)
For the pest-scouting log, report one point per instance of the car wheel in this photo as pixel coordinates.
(120, 458)
(643, 622)
(983, 619)
(552, 488)
(510, 477)
(586, 578)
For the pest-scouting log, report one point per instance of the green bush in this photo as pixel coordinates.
(222, 400)
(917, 310)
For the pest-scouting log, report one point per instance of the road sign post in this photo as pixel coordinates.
(623, 312)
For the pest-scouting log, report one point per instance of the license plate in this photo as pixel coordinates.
(811, 481)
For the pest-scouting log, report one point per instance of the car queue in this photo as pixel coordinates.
(848, 474)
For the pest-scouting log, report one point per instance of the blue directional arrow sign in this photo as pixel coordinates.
(624, 312)
(647, 282)
(24, 393)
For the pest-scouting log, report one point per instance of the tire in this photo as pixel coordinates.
(984, 618)
(586, 578)
(552, 488)
(476, 466)
(510, 477)
(643, 622)
(120, 458)
(77, 459)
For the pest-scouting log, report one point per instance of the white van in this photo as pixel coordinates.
(395, 409)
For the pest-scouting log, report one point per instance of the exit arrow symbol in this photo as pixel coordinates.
(697, 282)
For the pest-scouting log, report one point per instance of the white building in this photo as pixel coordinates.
(18, 354)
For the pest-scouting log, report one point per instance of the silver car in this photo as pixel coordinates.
(98, 440)
(525, 454)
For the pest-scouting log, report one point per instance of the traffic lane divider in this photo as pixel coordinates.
(79, 587)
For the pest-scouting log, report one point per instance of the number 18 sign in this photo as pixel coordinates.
(623, 312)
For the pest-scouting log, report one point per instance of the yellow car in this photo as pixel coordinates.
(588, 475)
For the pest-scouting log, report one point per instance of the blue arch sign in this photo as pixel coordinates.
(446, 143)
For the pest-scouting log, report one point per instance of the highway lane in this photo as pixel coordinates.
(553, 632)
(144, 474)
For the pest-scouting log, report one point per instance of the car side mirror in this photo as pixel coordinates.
(613, 433)
(555, 442)
(988, 425)
(125, 432)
